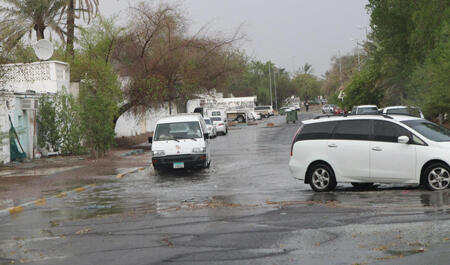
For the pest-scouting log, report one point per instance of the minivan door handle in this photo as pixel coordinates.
(332, 145)
(376, 148)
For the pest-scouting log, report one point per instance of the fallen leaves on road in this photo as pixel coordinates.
(83, 231)
(167, 241)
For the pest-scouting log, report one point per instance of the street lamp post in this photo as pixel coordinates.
(270, 85)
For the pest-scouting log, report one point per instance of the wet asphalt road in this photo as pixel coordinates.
(245, 209)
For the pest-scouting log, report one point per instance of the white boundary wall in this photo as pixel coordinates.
(5, 125)
(132, 125)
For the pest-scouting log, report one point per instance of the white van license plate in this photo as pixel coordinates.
(178, 165)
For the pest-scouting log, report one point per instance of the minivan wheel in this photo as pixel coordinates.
(322, 178)
(437, 176)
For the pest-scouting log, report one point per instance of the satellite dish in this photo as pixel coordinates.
(43, 49)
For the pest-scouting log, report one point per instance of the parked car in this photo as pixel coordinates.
(221, 125)
(365, 110)
(253, 116)
(403, 110)
(338, 110)
(211, 128)
(179, 142)
(328, 108)
(363, 150)
(264, 111)
(295, 106)
(282, 110)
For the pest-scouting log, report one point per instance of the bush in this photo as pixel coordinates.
(98, 110)
(59, 124)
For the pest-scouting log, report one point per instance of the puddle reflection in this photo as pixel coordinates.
(385, 197)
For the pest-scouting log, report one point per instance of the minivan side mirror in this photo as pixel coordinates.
(206, 136)
(403, 139)
(150, 139)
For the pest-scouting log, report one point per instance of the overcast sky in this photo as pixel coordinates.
(287, 32)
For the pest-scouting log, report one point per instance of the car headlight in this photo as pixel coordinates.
(199, 150)
(158, 153)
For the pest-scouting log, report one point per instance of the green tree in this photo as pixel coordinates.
(20, 17)
(306, 85)
(406, 56)
(100, 93)
(432, 79)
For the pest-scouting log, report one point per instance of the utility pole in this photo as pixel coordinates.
(357, 52)
(275, 77)
(270, 85)
(340, 66)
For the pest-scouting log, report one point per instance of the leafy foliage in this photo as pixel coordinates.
(58, 123)
(20, 17)
(407, 56)
(48, 129)
(100, 92)
(306, 84)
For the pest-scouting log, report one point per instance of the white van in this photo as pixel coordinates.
(180, 142)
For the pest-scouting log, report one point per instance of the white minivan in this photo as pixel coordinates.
(180, 141)
(367, 149)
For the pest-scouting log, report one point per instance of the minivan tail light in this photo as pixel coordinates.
(295, 137)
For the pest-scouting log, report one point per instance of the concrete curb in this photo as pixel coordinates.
(43, 201)
(121, 175)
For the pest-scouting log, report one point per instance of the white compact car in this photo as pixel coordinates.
(365, 110)
(180, 142)
(221, 125)
(211, 128)
(403, 110)
(366, 149)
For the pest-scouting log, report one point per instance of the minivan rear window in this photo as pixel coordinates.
(352, 130)
(316, 131)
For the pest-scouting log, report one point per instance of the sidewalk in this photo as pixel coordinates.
(29, 181)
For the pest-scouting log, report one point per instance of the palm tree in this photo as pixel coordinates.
(306, 69)
(87, 8)
(23, 16)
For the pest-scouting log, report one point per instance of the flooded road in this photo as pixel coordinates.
(245, 209)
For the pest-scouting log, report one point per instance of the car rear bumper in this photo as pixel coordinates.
(297, 169)
(220, 128)
(189, 160)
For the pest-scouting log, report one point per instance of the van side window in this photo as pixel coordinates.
(352, 130)
(316, 131)
(385, 131)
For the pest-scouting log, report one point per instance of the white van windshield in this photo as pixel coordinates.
(178, 130)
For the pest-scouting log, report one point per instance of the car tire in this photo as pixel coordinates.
(321, 178)
(362, 185)
(240, 119)
(437, 177)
